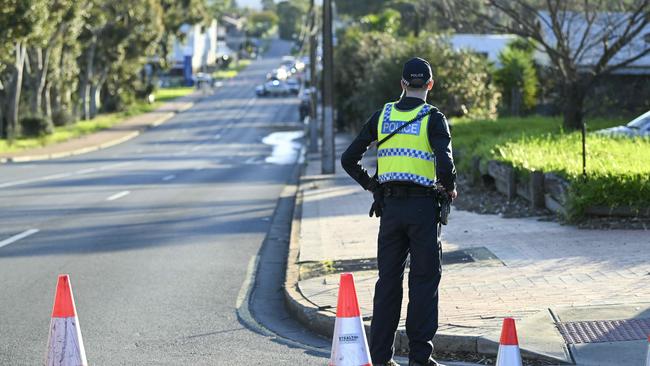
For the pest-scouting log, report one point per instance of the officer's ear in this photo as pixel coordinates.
(430, 84)
(403, 84)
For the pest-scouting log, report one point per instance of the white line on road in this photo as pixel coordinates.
(169, 177)
(117, 196)
(86, 171)
(62, 175)
(17, 237)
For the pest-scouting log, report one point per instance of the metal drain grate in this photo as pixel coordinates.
(605, 330)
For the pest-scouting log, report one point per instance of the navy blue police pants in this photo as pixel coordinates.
(408, 226)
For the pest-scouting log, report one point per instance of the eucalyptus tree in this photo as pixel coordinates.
(20, 20)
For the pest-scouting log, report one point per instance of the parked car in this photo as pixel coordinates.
(639, 126)
(294, 86)
(272, 88)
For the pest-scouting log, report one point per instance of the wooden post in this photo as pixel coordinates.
(476, 170)
(512, 183)
(537, 189)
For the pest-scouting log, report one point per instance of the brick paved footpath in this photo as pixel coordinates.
(540, 265)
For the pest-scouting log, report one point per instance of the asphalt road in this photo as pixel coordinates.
(158, 235)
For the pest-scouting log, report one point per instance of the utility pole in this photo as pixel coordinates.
(327, 155)
(313, 82)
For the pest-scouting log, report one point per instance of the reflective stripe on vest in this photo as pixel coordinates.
(407, 156)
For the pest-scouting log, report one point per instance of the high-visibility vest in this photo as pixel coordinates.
(407, 156)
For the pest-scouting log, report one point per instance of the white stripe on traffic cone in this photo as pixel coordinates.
(65, 346)
(349, 344)
(509, 354)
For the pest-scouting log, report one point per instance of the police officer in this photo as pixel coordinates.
(409, 164)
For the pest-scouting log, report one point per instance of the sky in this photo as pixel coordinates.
(256, 4)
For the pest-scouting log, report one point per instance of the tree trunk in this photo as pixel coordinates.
(47, 100)
(574, 97)
(94, 94)
(84, 87)
(13, 101)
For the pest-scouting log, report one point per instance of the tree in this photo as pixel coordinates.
(260, 22)
(292, 16)
(18, 28)
(387, 21)
(517, 77)
(269, 5)
(60, 17)
(584, 40)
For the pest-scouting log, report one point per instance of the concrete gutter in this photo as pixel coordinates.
(103, 139)
(321, 321)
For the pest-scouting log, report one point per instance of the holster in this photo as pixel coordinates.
(444, 207)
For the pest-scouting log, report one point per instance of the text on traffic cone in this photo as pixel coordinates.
(349, 343)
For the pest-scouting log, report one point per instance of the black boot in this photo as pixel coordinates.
(429, 362)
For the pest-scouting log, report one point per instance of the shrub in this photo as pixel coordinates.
(62, 118)
(517, 80)
(36, 126)
(370, 75)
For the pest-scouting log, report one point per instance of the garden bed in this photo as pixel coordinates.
(533, 158)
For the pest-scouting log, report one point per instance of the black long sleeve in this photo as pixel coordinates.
(439, 139)
(351, 158)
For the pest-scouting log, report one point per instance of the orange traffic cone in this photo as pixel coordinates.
(509, 354)
(65, 346)
(349, 344)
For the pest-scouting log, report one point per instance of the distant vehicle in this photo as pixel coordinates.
(281, 73)
(639, 126)
(272, 88)
(294, 86)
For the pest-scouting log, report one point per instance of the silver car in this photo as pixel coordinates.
(272, 88)
(639, 126)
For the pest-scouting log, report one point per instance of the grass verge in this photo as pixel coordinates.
(618, 169)
(102, 121)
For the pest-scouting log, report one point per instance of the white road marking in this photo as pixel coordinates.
(17, 237)
(197, 147)
(250, 277)
(62, 175)
(217, 136)
(117, 196)
(169, 177)
(199, 168)
(86, 171)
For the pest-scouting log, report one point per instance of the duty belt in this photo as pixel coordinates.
(399, 191)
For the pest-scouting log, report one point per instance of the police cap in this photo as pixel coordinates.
(416, 72)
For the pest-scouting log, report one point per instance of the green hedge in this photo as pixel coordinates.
(618, 169)
(369, 68)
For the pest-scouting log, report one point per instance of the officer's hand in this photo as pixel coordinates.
(375, 209)
(378, 195)
(453, 194)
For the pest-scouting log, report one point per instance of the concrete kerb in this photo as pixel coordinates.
(322, 321)
(166, 114)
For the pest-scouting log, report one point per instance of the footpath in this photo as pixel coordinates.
(578, 296)
(126, 130)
